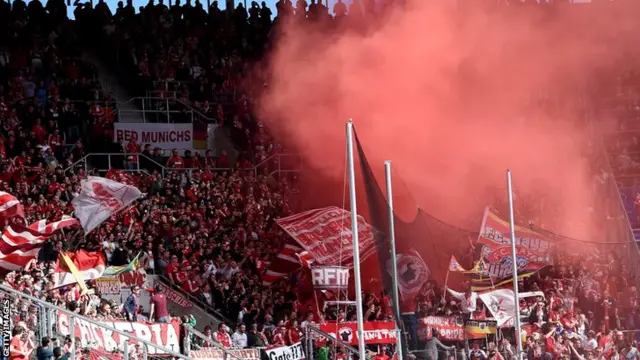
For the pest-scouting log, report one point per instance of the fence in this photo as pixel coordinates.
(156, 110)
(45, 319)
(101, 162)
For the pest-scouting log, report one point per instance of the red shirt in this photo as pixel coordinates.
(16, 344)
(40, 133)
(175, 162)
(224, 339)
(159, 302)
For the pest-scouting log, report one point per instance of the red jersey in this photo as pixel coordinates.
(175, 162)
(223, 338)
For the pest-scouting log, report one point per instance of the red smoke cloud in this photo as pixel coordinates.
(451, 94)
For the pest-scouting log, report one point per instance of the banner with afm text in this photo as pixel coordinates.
(326, 235)
(90, 335)
(375, 332)
(533, 250)
(215, 354)
(293, 352)
(165, 136)
(450, 328)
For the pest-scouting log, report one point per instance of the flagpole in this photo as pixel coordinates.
(394, 264)
(356, 247)
(515, 265)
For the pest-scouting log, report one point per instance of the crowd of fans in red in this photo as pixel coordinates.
(211, 232)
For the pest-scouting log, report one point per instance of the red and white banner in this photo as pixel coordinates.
(501, 304)
(326, 235)
(375, 332)
(166, 335)
(174, 296)
(449, 328)
(99, 199)
(532, 249)
(18, 246)
(165, 136)
(293, 352)
(215, 354)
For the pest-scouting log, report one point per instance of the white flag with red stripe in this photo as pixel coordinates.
(45, 228)
(101, 198)
(10, 206)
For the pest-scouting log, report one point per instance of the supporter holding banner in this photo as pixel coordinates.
(449, 328)
(164, 136)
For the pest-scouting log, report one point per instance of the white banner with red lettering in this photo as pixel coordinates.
(375, 332)
(90, 335)
(162, 135)
(326, 235)
(215, 354)
(293, 352)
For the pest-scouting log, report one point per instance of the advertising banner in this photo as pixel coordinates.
(293, 352)
(90, 335)
(108, 285)
(165, 136)
(450, 328)
(326, 234)
(375, 332)
(533, 250)
(215, 354)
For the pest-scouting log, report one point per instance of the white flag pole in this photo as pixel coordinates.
(394, 264)
(356, 247)
(515, 266)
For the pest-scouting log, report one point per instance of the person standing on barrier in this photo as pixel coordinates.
(159, 307)
(131, 305)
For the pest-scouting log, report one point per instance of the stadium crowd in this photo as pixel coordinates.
(212, 232)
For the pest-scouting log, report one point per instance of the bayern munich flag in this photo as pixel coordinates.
(99, 199)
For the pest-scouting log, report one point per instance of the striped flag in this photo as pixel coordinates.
(18, 246)
(21, 244)
(284, 264)
(45, 228)
(10, 207)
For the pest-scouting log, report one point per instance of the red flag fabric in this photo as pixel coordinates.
(10, 207)
(90, 266)
(18, 246)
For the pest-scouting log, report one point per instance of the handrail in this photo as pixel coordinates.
(214, 342)
(196, 111)
(164, 169)
(71, 314)
(195, 300)
(338, 341)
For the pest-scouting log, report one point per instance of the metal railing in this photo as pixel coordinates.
(47, 315)
(275, 164)
(196, 302)
(191, 334)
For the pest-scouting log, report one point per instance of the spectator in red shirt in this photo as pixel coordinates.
(222, 336)
(175, 161)
(132, 148)
(159, 307)
(39, 132)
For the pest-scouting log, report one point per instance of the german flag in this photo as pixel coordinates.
(199, 136)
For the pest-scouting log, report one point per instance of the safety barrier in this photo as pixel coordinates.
(55, 322)
(101, 162)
